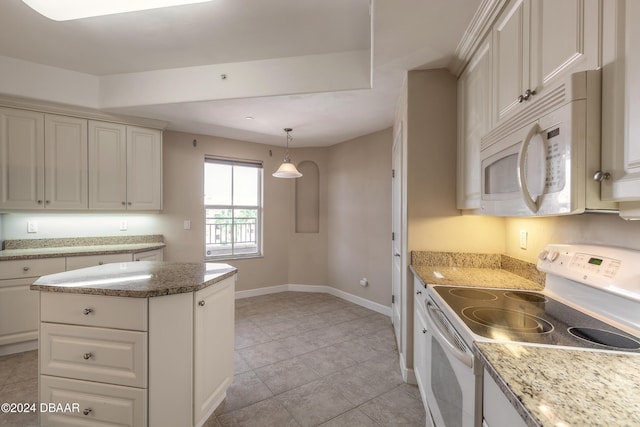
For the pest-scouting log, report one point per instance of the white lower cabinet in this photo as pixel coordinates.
(83, 261)
(18, 304)
(155, 255)
(162, 362)
(420, 354)
(497, 411)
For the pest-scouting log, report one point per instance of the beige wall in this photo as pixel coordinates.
(359, 207)
(434, 223)
(601, 229)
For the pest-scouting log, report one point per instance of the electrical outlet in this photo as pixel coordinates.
(123, 225)
(523, 239)
(32, 226)
(186, 224)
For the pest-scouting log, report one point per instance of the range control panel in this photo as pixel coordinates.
(608, 268)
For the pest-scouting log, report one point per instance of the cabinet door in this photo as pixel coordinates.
(565, 39)
(621, 104)
(66, 183)
(76, 262)
(511, 57)
(213, 347)
(107, 166)
(21, 159)
(18, 311)
(420, 356)
(474, 120)
(144, 169)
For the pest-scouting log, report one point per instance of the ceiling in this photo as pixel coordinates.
(204, 68)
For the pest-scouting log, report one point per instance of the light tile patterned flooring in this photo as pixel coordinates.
(301, 359)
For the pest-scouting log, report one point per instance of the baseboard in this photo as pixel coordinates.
(408, 375)
(363, 302)
(18, 348)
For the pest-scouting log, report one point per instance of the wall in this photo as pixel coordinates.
(359, 211)
(602, 229)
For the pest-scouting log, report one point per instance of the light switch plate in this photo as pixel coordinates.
(32, 226)
(123, 225)
(523, 239)
(187, 224)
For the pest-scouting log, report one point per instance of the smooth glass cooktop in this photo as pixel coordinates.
(525, 316)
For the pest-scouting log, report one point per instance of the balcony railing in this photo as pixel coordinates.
(226, 235)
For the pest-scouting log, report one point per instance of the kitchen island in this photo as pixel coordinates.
(137, 343)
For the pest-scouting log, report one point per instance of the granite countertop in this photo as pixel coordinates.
(477, 270)
(551, 386)
(141, 279)
(66, 247)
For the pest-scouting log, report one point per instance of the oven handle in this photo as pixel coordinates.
(445, 336)
(522, 179)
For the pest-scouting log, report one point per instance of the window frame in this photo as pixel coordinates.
(259, 208)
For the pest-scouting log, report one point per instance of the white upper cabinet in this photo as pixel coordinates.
(21, 159)
(107, 166)
(125, 167)
(44, 161)
(65, 162)
(144, 169)
(474, 120)
(536, 42)
(621, 105)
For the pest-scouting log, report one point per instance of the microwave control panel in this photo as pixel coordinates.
(556, 162)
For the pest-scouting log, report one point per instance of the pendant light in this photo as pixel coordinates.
(287, 169)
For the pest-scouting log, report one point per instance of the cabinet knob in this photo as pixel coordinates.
(87, 411)
(100, 262)
(520, 99)
(87, 356)
(47, 201)
(25, 268)
(601, 176)
(39, 202)
(87, 311)
(424, 331)
(418, 292)
(124, 203)
(528, 94)
(201, 303)
(129, 203)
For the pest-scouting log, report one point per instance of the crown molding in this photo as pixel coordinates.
(478, 28)
(75, 111)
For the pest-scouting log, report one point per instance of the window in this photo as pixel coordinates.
(233, 208)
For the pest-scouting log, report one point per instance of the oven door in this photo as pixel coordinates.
(454, 390)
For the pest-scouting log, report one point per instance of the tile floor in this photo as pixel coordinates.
(301, 359)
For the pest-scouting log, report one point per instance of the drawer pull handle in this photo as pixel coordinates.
(100, 262)
(87, 411)
(418, 292)
(25, 268)
(87, 356)
(201, 303)
(424, 331)
(87, 311)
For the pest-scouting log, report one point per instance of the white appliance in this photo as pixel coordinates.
(591, 301)
(543, 160)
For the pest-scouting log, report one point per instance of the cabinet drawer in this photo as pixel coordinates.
(94, 310)
(94, 354)
(104, 404)
(419, 291)
(19, 269)
(73, 263)
(154, 255)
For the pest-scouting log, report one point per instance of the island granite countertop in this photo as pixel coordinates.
(552, 386)
(141, 279)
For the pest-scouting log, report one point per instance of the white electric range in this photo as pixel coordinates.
(591, 301)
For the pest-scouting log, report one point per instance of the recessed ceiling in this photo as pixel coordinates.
(301, 64)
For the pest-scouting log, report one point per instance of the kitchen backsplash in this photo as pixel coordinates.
(518, 267)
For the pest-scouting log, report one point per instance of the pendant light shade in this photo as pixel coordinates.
(287, 169)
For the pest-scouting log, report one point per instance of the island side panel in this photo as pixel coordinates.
(171, 360)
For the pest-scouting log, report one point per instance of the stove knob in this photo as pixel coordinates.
(553, 255)
(543, 255)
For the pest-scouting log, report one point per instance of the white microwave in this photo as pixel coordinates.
(542, 161)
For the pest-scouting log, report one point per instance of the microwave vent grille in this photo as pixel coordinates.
(571, 89)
